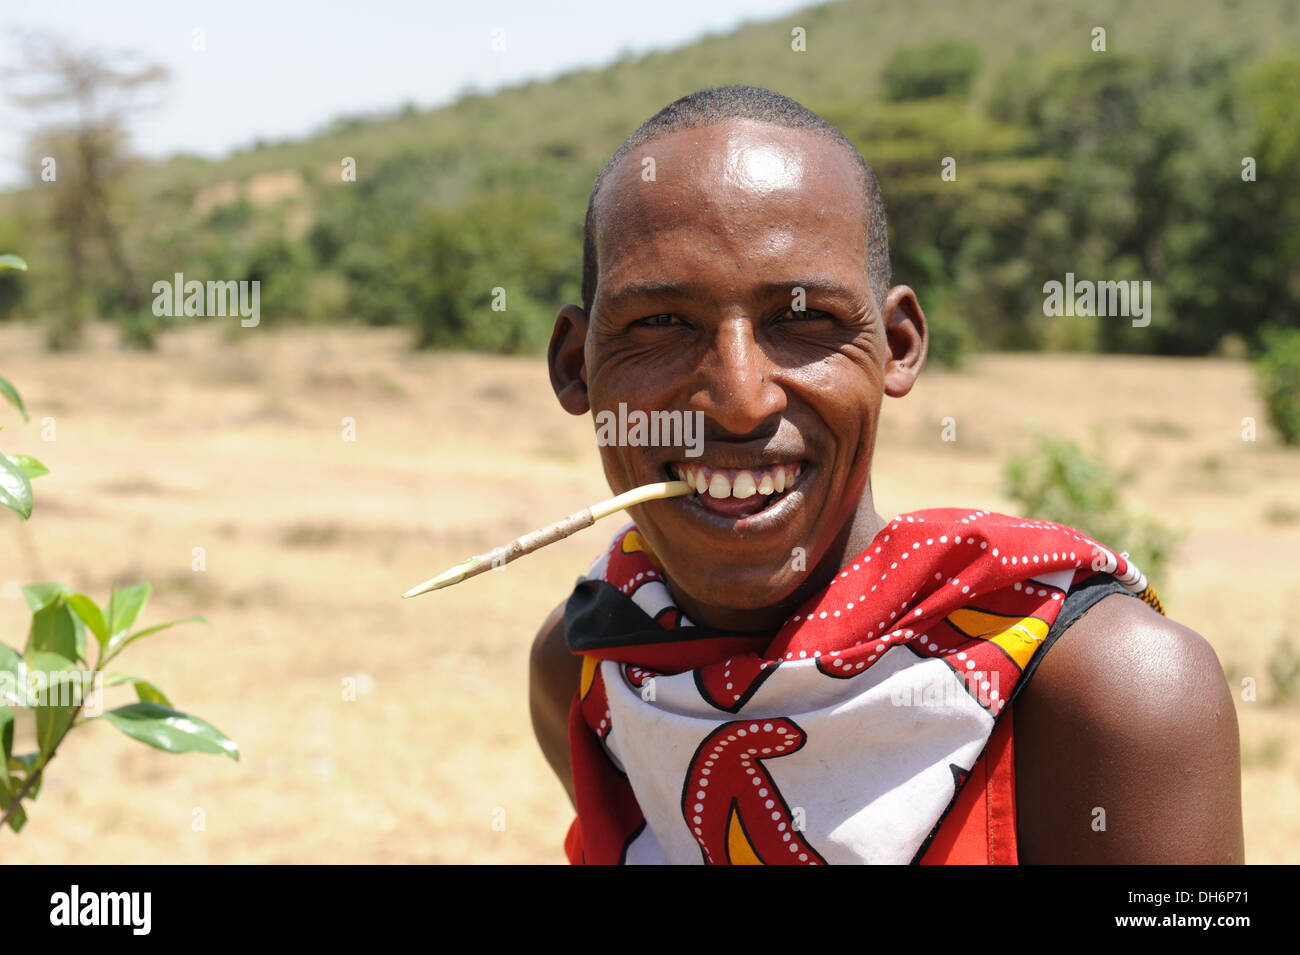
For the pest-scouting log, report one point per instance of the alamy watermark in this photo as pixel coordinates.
(655, 429)
(78, 687)
(129, 909)
(947, 693)
(194, 298)
(1106, 299)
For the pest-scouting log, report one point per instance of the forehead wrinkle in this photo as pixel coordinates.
(647, 240)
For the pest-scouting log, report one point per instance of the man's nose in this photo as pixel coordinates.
(740, 388)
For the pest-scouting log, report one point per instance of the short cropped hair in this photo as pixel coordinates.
(709, 107)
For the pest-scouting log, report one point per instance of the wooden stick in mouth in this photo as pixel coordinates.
(535, 540)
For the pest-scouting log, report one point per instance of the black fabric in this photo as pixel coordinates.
(1082, 597)
(600, 616)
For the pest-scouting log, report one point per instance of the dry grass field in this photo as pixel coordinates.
(237, 448)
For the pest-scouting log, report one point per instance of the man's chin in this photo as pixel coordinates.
(733, 577)
(732, 557)
(737, 594)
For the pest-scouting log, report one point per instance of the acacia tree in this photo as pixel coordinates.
(80, 99)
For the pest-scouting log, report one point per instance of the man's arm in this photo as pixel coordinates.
(1130, 714)
(553, 675)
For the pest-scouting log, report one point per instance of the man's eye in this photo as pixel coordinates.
(661, 320)
(802, 315)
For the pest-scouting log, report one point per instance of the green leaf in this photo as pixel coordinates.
(53, 721)
(147, 692)
(88, 611)
(170, 730)
(79, 627)
(52, 724)
(27, 764)
(15, 399)
(53, 630)
(123, 607)
(13, 677)
(9, 789)
(39, 596)
(15, 488)
(122, 644)
(29, 465)
(10, 261)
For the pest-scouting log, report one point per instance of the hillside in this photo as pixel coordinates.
(1120, 164)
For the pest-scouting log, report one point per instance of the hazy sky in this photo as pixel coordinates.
(281, 69)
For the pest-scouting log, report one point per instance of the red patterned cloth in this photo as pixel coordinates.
(849, 737)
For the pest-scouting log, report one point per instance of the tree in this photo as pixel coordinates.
(81, 98)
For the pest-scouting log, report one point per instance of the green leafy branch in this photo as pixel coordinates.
(53, 678)
(17, 470)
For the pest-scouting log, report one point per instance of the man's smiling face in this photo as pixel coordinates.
(694, 310)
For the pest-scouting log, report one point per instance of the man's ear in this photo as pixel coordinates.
(566, 358)
(908, 339)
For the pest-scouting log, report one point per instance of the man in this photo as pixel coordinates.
(736, 264)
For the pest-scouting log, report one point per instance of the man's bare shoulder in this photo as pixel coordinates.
(1126, 745)
(553, 675)
(550, 635)
(553, 669)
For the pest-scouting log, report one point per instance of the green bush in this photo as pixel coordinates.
(1057, 481)
(951, 339)
(1278, 377)
(936, 69)
(1284, 672)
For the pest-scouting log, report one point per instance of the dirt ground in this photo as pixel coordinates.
(308, 539)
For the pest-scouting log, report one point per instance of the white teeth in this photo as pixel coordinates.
(767, 481)
(692, 476)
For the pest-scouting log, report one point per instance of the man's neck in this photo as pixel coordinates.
(851, 542)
